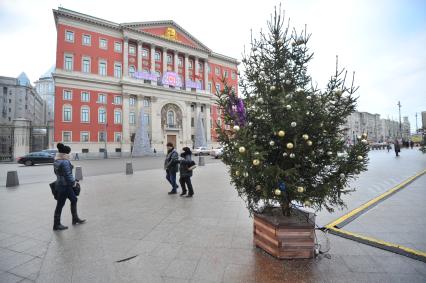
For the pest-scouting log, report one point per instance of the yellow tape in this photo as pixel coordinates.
(373, 201)
(381, 242)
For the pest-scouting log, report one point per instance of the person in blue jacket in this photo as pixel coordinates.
(64, 186)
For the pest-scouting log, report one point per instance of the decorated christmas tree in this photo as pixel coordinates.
(285, 144)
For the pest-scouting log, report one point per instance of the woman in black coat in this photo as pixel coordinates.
(397, 147)
(185, 169)
(64, 186)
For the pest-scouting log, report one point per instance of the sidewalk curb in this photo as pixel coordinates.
(335, 227)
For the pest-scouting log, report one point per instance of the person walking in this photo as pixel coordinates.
(185, 169)
(397, 147)
(171, 165)
(64, 187)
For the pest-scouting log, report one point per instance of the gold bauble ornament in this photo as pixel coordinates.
(277, 192)
(271, 143)
(364, 141)
(256, 162)
(236, 128)
(359, 158)
(237, 173)
(305, 137)
(281, 133)
(309, 143)
(364, 135)
(307, 203)
(300, 189)
(242, 149)
(289, 145)
(245, 174)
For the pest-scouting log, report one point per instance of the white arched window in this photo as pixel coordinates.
(117, 116)
(85, 114)
(101, 115)
(67, 113)
(170, 118)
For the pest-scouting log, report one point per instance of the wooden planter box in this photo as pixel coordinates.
(285, 237)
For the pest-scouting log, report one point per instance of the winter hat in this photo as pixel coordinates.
(63, 148)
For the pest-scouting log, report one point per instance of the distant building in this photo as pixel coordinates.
(424, 120)
(378, 130)
(406, 133)
(19, 99)
(45, 87)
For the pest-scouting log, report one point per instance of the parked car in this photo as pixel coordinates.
(217, 152)
(201, 151)
(36, 158)
(51, 151)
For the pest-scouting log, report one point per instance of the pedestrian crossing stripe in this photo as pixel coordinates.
(335, 227)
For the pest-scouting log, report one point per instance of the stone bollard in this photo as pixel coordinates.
(129, 168)
(78, 173)
(201, 161)
(12, 179)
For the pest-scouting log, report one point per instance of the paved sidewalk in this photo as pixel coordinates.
(173, 239)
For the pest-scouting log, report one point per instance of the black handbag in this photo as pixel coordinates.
(77, 189)
(53, 189)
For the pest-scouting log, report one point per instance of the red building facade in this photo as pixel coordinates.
(108, 74)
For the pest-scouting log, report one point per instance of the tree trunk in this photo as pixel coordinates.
(286, 207)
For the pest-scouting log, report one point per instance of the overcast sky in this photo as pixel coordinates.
(383, 41)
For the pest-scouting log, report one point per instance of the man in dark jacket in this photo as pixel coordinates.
(397, 147)
(185, 169)
(64, 187)
(171, 165)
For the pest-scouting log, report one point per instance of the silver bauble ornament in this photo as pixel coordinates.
(287, 82)
(329, 153)
(250, 123)
(262, 73)
(309, 143)
(282, 75)
(359, 158)
(285, 154)
(260, 100)
(254, 136)
(271, 143)
(242, 149)
(292, 155)
(288, 107)
(245, 174)
(308, 97)
(256, 153)
(236, 128)
(342, 175)
(299, 89)
(272, 88)
(293, 124)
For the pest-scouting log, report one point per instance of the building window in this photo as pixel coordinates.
(117, 46)
(102, 136)
(84, 115)
(132, 100)
(67, 95)
(192, 107)
(101, 116)
(67, 113)
(84, 136)
(146, 119)
(132, 71)
(190, 64)
(146, 103)
(157, 56)
(208, 69)
(180, 62)
(68, 62)
(202, 108)
(210, 87)
(117, 116)
(192, 122)
(200, 66)
(169, 59)
(85, 96)
(217, 71)
(117, 100)
(117, 70)
(132, 118)
(102, 98)
(66, 136)
(132, 49)
(102, 68)
(234, 75)
(225, 73)
(217, 87)
(87, 39)
(86, 65)
(170, 119)
(103, 43)
(117, 137)
(145, 53)
(69, 36)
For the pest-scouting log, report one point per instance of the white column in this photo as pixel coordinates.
(187, 125)
(126, 124)
(208, 128)
(196, 70)
(165, 63)
(206, 76)
(186, 71)
(126, 57)
(139, 56)
(153, 62)
(175, 62)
